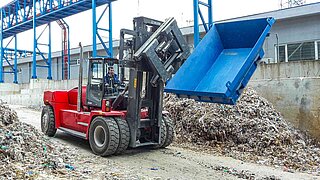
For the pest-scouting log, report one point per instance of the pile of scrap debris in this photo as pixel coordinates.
(252, 131)
(26, 153)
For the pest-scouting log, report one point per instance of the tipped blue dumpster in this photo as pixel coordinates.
(223, 62)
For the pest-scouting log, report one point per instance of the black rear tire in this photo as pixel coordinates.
(48, 126)
(163, 135)
(104, 136)
(124, 135)
(170, 131)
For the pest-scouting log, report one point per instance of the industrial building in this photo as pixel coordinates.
(294, 37)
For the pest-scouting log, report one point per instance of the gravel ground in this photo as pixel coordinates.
(174, 162)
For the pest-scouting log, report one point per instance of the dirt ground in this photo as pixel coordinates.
(170, 163)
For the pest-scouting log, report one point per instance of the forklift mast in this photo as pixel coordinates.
(156, 50)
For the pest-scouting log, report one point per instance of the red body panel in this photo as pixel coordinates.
(80, 121)
(73, 95)
(64, 104)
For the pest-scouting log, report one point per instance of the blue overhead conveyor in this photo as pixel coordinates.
(22, 15)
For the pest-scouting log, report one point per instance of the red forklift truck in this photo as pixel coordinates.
(114, 116)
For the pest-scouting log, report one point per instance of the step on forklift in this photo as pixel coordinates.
(114, 115)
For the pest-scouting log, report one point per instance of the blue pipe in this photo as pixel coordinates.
(1, 47)
(15, 60)
(49, 55)
(34, 60)
(110, 31)
(203, 21)
(196, 35)
(17, 10)
(24, 10)
(210, 16)
(103, 29)
(50, 5)
(8, 43)
(42, 32)
(104, 11)
(103, 44)
(94, 29)
(9, 20)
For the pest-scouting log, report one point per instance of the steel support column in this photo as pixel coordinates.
(48, 59)
(9, 55)
(210, 16)
(110, 31)
(34, 58)
(196, 33)
(198, 13)
(15, 80)
(1, 47)
(94, 29)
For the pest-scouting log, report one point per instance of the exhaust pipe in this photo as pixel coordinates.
(79, 100)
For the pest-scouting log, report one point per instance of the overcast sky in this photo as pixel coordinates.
(125, 10)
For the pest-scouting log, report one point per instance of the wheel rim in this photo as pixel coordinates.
(99, 135)
(45, 121)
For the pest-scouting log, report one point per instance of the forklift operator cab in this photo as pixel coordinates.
(99, 87)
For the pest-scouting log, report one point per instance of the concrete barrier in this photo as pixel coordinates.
(298, 100)
(9, 88)
(31, 94)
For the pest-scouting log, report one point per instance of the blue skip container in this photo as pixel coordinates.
(223, 62)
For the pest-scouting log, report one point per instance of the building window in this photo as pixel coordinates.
(318, 44)
(298, 51)
(301, 51)
(74, 62)
(282, 53)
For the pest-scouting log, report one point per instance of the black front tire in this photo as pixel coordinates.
(104, 136)
(124, 135)
(170, 131)
(48, 126)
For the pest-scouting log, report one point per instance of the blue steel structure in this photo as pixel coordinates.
(23, 15)
(197, 12)
(96, 28)
(10, 54)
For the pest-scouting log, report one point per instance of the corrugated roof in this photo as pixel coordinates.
(280, 14)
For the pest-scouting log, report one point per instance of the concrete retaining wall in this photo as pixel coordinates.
(298, 100)
(294, 89)
(32, 94)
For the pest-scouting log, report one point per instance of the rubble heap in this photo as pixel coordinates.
(252, 130)
(27, 153)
